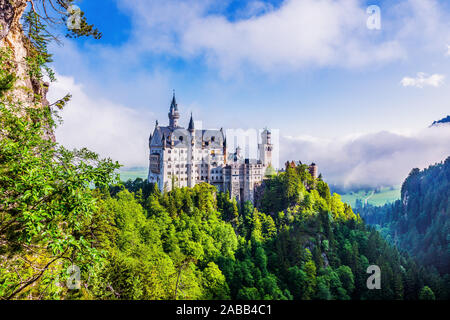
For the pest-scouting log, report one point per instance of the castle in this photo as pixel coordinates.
(186, 157)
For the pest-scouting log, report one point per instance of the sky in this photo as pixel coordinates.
(354, 99)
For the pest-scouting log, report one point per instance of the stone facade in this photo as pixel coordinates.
(185, 157)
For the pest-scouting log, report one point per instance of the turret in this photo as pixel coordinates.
(313, 170)
(265, 148)
(174, 115)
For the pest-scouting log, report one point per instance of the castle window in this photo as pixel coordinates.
(181, 138)
(213, 139)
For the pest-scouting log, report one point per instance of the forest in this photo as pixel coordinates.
(419, 222)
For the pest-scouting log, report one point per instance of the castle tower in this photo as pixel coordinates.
(265, 148)
(313, 170)
(174, 115)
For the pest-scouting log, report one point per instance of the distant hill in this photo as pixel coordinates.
(133, 173)
(419, 223)
(442, 121)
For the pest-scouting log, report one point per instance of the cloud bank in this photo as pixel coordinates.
(379, 159)
(110, 129)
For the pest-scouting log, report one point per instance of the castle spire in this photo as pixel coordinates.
(191, 124)
(173, 105)
(173, 112)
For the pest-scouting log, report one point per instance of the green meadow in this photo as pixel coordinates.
(374, 197)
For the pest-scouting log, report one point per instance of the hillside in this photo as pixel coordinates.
(419, 222)
(300, 242)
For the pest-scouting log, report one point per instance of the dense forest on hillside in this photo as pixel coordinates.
(302, 243)
(419, 223)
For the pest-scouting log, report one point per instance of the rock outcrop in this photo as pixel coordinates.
(27, 90)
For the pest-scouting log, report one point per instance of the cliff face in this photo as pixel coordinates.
(6, 17)
(12, 37)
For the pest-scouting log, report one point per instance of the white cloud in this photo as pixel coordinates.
(379, 159)
(423, 80)
(300, 33)
(296, 35)
(103, 126)
(448, 51)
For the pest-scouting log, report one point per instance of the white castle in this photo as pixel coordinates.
(186, 157)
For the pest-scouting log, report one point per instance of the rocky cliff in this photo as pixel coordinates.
(27, 90)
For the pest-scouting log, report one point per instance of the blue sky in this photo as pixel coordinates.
(311, 69)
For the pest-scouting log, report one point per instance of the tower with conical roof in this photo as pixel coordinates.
(174, 115)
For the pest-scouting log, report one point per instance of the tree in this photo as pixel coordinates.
(347, 278)
(214, 283)
(310, 281)
(426, 294)
(46, 199)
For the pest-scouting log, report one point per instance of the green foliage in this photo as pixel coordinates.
(38, 35)
(38, 56)
(426, 294)
(316, 248)
(7, 77)
(46, 202)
